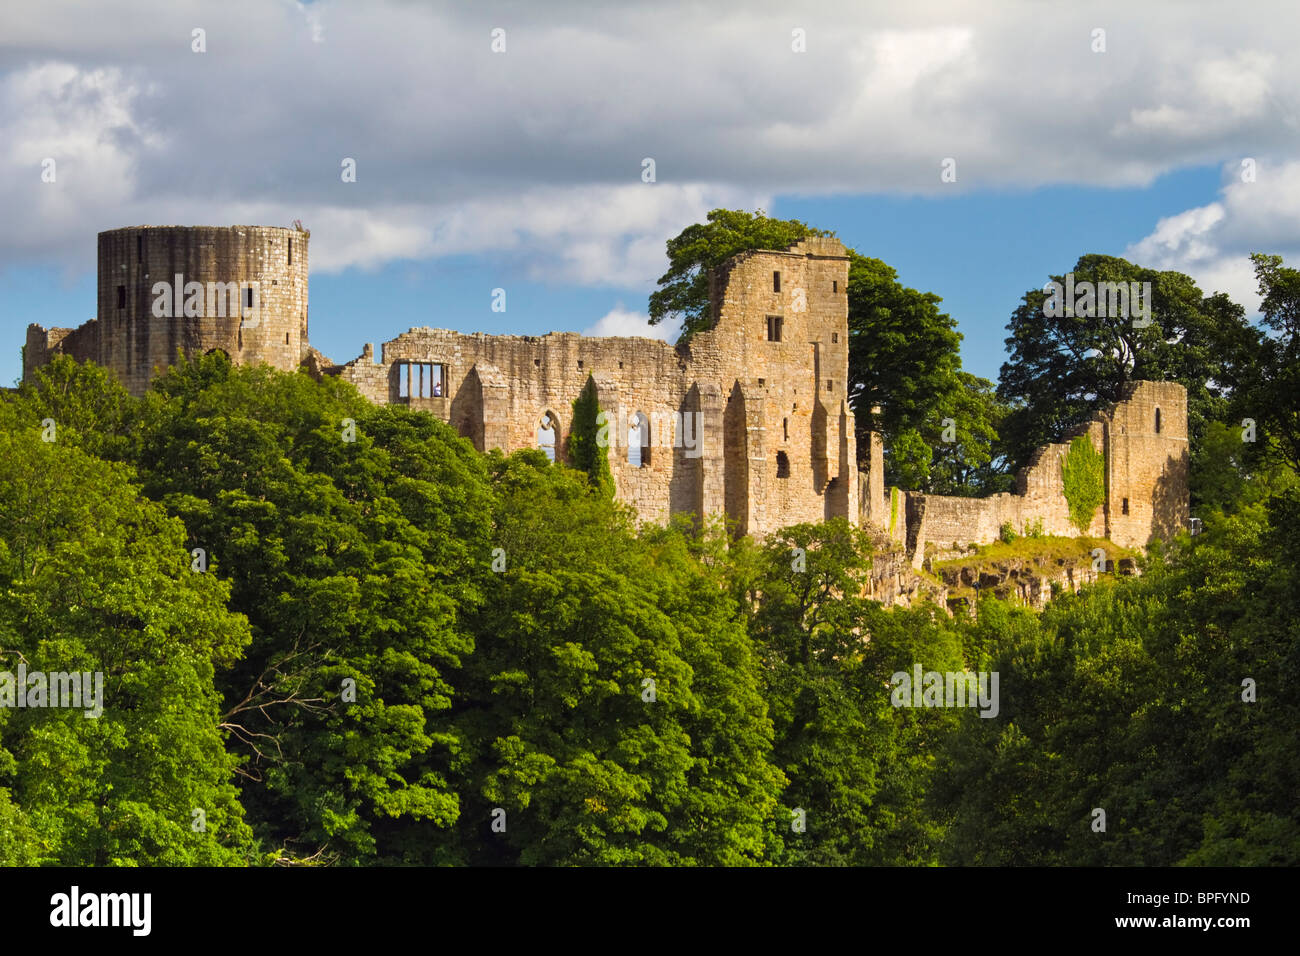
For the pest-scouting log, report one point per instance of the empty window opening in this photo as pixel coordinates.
(547, 432)
(835, 337)
(121, 297)
(620, 364)
(537, 362)
(579, 363)
(248, 297)
(420, 380)
(774, 328)
(290, 252)
(776, 282)
(782, 465)
(1124, 506)
(835, 285)
(830, 386)
(638, 441)
(1157, 421)
(762, 382)
(785, 427)
(286, 338)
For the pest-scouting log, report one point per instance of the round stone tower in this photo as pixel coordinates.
(241, 289)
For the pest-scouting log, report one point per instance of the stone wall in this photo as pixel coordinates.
(1146, 483)
(749, 418)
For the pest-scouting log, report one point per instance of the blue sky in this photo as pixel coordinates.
(521, 169)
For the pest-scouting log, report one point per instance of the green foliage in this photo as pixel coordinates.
(588, 441)
(95, 579)
(660, 696)
(1130, 697)
(1083, 481)
(1062, 369)
(354, 561)
(1007, 534)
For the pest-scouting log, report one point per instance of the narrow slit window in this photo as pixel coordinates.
(1124, 506)
(1157, 421)
(830, 386)
(290, 252)
(785, 427)
(776, 282)
(835, 285)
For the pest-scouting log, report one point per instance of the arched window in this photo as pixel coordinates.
(782, 465)
(638, 441)
(548, 433)
(1157, 421)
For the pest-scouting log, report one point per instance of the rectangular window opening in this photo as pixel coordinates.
(830, 386)
(774, 328)
(776, 282)
(1124, 506)
(290, 252)
(835, 285)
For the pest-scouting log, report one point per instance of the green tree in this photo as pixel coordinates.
(610, 713)
(588, 440)
(1065, 367)
(95, 579)
(354, 538)
(1265, 376)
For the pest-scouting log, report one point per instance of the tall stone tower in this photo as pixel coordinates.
(241, 289)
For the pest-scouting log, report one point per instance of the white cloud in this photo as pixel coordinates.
(536, 153)
(1213, 243)
(618, 321)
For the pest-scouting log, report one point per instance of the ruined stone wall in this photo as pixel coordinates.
(1148, 466)
(744, 418)
(1146, 483)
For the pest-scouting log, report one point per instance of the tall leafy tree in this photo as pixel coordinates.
(611, 712)
(1065, 366)
(96, 580)
(353, 538)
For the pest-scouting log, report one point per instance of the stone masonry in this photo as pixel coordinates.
(132, 340)
(749, 419)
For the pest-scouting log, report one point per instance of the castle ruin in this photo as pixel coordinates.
(749, 419)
